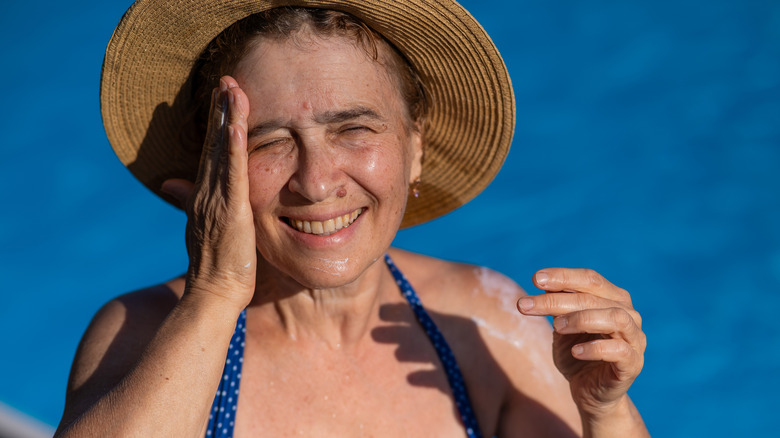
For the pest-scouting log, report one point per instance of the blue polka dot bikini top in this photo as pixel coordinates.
(223, 411)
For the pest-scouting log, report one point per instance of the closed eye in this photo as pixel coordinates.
(355, 128)
(270, 143)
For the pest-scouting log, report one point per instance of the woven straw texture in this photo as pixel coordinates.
(145, 89)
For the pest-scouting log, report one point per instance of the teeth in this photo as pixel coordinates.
(329, 226)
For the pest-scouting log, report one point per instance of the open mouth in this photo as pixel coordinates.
(326, 227)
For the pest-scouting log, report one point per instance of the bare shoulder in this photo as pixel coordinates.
(474, 292)
(499, 350)
(114, 340)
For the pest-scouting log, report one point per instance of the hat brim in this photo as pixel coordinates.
(146, 101)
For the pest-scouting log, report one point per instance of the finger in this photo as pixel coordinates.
(626, 362)
(237, 176)
(578, 280)
(615, 322)
(556, 303)
(179, 189)
(239, 102)
(237, 189)
(212, 155)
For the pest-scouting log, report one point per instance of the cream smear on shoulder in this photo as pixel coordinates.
(526, 332)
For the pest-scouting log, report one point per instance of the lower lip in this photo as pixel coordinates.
(321, 241)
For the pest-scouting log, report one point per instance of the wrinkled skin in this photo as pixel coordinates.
(598, 343)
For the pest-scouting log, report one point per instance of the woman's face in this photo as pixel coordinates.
(331, 156)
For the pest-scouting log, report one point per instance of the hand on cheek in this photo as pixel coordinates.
(220, 226)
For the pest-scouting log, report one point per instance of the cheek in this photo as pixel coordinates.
(371, 163)
(383, 169)
(266, 178)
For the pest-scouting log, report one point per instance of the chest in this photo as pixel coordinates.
(397, 387)
(345, 395)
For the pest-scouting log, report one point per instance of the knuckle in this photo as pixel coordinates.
(603, 348)
(593, 278)
(623, 294)
(638, 363)
(581, 319)
(623, 349)
(639, 367)
(636, 317)
(586, 301)
(621, 318)
(562, 276)
(642, 342)
(547, 301)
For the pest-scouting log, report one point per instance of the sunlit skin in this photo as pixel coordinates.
(314, 143)
(317, 130)
(323, 144)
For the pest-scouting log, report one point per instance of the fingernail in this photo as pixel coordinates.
(230, 95)
(223, 86)
(526, 304)
(560, 323)
(577, 350)
(542, 278)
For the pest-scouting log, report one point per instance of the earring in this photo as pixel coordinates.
(416, 187)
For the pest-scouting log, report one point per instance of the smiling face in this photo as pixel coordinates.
(331, 155)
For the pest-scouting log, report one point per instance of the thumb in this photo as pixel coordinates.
(179, 189)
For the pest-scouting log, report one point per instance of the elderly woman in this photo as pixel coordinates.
(320, 129)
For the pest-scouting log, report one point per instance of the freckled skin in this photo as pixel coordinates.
(308, 167)
(304, 163)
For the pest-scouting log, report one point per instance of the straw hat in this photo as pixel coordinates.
(145, 88)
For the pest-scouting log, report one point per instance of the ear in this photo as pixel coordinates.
(417, 155)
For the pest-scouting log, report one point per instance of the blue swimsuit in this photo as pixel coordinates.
(223, 411)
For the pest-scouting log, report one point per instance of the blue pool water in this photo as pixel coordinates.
(647, 147)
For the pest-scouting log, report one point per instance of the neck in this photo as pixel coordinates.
(335, 316)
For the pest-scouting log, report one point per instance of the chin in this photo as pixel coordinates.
(323, 272)
(330, 276)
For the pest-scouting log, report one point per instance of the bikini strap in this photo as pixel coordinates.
(454, 376)
(222, 415)
(223, 412)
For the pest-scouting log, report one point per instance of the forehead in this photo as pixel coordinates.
(314, 69)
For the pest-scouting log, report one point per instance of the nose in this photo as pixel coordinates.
(318, 176)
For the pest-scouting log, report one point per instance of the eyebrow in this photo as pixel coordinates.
(265, 127)
(348, 114)
(326, 117)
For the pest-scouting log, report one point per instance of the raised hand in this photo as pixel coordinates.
(220, 228)
(598, 343)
